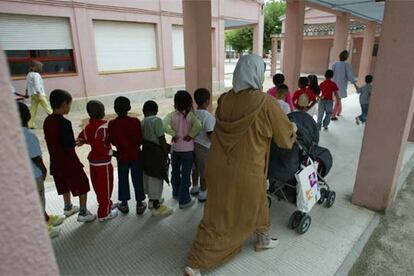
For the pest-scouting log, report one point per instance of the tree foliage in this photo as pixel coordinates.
(242, 39)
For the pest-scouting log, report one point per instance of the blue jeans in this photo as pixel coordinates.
(137, 181)
(324, 107)
(364, 113)
(181, 163)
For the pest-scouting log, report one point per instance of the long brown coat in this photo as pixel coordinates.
(236, 174)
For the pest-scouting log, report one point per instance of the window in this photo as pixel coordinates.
(125, 46)
(54, 61)
(178, 46)
(46, 39)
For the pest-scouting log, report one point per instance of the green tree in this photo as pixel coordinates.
(242, 39)
(272, 25)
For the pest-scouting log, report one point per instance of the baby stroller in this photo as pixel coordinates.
(284, 164)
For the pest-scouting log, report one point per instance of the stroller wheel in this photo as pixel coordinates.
(294, 220)
(324, 193)
(269, 201)
(304, 224)
(330, 199)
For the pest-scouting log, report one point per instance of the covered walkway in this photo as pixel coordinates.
(151, 246)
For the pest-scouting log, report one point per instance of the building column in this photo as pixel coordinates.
(293, 41)
(197, 45)
(258, 33)
(25, 245)
(366, 53)
(391, 110)
(273, 64)
(340, 37)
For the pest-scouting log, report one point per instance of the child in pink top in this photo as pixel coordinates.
(183, 126)
(279, 79)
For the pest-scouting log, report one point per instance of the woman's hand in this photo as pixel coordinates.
(175, 139)
(188, 138)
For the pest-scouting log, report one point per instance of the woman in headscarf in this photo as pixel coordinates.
(342, 74)
(247, 121)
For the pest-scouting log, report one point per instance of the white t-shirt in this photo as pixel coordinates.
(34, 84)
(207, 121)
(285, 106)
(33, 147)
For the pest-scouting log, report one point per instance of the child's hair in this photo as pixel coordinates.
(36, 66)
(95, 109)
(303, 82)
(183, 102)
(24, 113)
(282, 91)
(58, 97)
(150, 107)
(313, 83)
(201, 96)
(329, 74)
(343, 55)
(368, 78)
(122, 106)
(278, 79)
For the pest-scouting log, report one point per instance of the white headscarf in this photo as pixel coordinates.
(249, 73)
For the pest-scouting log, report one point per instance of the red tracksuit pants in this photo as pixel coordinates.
(102, 177)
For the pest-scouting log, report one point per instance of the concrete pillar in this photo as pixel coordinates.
(340, 37)
(391, 110)
(274, 56)
(258, 34)
(25, 246)
(366, 53)
(197, 44)
(293, 41)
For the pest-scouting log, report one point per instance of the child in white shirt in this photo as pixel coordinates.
(282, 91)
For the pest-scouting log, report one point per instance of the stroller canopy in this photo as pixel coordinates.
(307, 134)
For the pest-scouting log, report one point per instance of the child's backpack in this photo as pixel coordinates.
(303, 100)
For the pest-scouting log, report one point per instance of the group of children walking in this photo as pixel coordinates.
(324, 94)
(140, 148)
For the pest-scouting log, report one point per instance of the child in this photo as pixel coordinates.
(364, 97)
(65, 166)
(102, 173)
(282, 91)
(279, 79)
(35, 88)
(183, 126)
(39, 169)
(304, 98)
(329, 90)
(313, 85)
(154, 159)
(202, 141)
(125, 135)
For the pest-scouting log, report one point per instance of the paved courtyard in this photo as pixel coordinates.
(143, 245)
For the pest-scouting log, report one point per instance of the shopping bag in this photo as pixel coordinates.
(307, 188)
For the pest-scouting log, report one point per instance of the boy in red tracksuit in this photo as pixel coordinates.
(102, 173)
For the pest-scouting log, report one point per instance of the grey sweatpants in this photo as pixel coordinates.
(324, 108)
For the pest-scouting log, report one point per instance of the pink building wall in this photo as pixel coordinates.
(87, 82)
(315, 55)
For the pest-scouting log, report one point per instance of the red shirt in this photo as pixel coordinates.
(309, 93)
(96, 135)
(61, 146)
(328, 89)
(125, 134)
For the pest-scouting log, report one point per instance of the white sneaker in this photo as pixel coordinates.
(111, 215)
(202, 196)
(53, 232)
(194, 190)
(189, 271)
(55, 220)
(88, 217)
(265, 242)
(72, 211)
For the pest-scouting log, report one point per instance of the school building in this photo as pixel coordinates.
(98, 48)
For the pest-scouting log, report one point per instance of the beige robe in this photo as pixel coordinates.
(236, 173)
